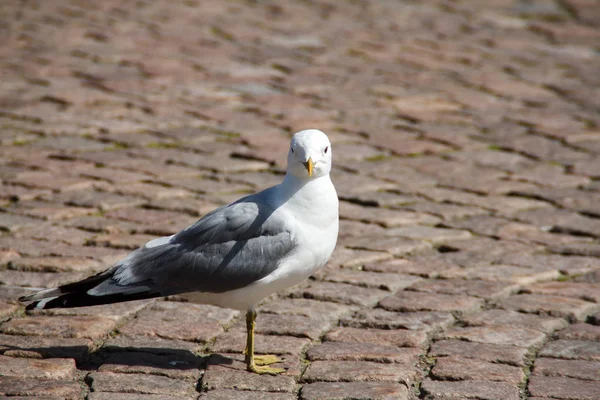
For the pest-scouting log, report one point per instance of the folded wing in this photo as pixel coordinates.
(227, 249)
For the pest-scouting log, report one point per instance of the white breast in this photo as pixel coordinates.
(313, 218)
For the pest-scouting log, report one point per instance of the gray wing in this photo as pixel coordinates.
(227, 249)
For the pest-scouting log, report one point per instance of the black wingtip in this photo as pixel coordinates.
(82, 299)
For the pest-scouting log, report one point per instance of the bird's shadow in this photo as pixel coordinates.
(125, 359)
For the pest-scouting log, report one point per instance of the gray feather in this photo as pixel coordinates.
(227, 249)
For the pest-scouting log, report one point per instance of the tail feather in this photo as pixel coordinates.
(42, 294)
(82, 299)
(77, 294)
(82, 285)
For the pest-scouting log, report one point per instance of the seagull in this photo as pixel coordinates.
(234, 256)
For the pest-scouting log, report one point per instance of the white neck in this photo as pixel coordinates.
(304, 194)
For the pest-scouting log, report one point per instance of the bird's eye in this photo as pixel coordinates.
(326, 149)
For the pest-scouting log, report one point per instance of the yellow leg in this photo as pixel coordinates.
(258, 364)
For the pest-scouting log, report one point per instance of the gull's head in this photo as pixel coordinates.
(310, 154)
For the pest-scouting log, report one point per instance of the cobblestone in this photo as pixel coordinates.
(589, 292)
(228, 373)
(343, 293)
(292, 325)
(501, 353)
(150, 344)
(396, 337)
(507, 273)
(488, 390)
(408, 301)
(476, 287)
(231, 342)
(358, 371)
(512, 318)
(425, 268)
(556, 306)
(15, 386)
(382, 319)
(46, 347)
(580, 331)
(56, 368)
(386, 281)
(133, 396)
(65, 326)
(588, 370)
(359, 390)
(356, 351)
(563, 388)
(184, 366)
(456, 368)
(572, 349)
(466, 160)
(497, 335)
(185, 321)
(139, 383)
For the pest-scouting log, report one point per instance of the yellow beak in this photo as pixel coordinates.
(309, 166)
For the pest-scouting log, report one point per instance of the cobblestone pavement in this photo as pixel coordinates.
(467, 158)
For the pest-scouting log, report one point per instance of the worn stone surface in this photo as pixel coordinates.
(475, 287)
(233, 394)
(497, 335)
(395, 337)
(580, 331)
(184, 321)
(140, 383)
(391, 245)
(67, 326)
(512, 318)
(6, 309)
(46, 347)
(500, 353)
(466, 158)
(511, 274)
(383, 319)
(133, 396)
(584, 291)
(475, 389)
(356, 351)
(359, 371)
(54, 368)
(17, 386)
(588, 370)
(150, 344)
(343, 293)
(356, 390)
(229, 372)
(572, 349)
(426, 268)
(235, 340)
(291, 325)
(386, 281)
(563, 388)
(180, 366)
(407, 301)
(455, 368)
(306, 307)
(557, 306)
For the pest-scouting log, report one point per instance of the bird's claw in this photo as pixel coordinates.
(266, 359)
(264, 369)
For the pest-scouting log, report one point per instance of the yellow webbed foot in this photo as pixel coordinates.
(264, 369)
(267, 359)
